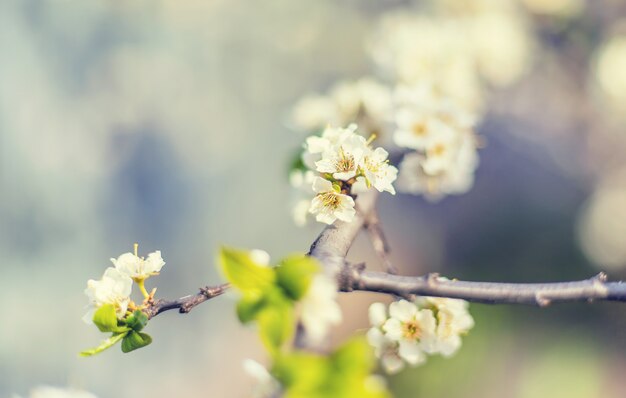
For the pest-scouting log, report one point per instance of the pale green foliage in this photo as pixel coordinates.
(269, 296)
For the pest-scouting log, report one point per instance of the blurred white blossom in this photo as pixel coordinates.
(453, 321)
(267, 386)
(319, 309)
(602, 224)
(561, 8)
(365, 102)
(56, 392)
(609, 73)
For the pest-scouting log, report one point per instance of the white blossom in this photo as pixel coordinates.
(412, 328)
(385, 348)
(260, 257)
(302, 181)
(364, 101)
(379, 173)
(114, 288)
(331, 137)
(137, 267)
(453, 174)
(319, 309)
(344, 159)
(55, 392)
(329, 205)
(267, 386)
(453, 321)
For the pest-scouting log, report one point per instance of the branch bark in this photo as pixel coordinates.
(541, 294)
(187, 303)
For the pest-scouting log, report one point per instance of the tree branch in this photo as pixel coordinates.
(541, 294)
(331, 248)
(187, 303)
(379, 240)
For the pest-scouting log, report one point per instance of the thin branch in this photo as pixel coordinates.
(379, 240)
(540, 294)
(187, 303)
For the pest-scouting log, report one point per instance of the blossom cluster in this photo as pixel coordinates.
(410, 331)
(115, 286)
(440, 132)
(55, 392)
(338, 165)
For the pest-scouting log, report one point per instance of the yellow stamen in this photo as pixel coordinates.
(136, 246)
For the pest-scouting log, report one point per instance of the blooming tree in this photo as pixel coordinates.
(411, 129)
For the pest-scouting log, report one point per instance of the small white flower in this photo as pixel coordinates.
(137, 267)
(414, 128)
(313, 112)
(329, 205)
(441, 150)
(267, 385)
(385, 348)
(55, 392)
(114, 288)
(331, 137)
(302, 181)
(260, 257)
(456, 175)
(364, 101)
(378, 171)
(343, 159)
(319, 308)
(412, 328)
(453, 321)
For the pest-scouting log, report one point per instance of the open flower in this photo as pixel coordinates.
(319, 308)
(329, 205)
(315, 146)
(379, 173)
(385, 348)
(137, 267)
(412, 328)
(344, 159)
(114, 288)
(453, 321)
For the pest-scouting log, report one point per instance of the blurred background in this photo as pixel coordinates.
(169, 124)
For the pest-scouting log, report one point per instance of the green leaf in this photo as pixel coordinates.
(135, 340)
(243, 273)
(343, 374)
(353, 357)
(105, 319)
(276, 324)
(249, 306)
(104, 345)
(301, 373)
(294, 275)
(137, 320)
